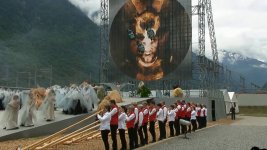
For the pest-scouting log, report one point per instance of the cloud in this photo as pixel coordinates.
(90, 7)
(240, 26)
(260, 66)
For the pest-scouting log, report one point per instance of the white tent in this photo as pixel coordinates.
(230, 100)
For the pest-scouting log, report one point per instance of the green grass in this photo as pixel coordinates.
(257, 111)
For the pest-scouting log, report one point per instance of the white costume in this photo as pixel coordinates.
(49, 104)
(28, 112)
(10, 117)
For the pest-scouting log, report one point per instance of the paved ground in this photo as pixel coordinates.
(241, 135)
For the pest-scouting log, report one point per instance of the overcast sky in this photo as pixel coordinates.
(240, 25)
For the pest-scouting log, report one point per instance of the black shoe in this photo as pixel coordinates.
(4, 128)
(152, 141)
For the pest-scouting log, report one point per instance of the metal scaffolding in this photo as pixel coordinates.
(104, 42)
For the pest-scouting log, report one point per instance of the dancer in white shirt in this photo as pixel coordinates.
(171, 116)
(152, 120)
(145, 121)
(202, 117)
(198, 109)
(130, 119)
(160, 119)
(122, 126)
(140, 123)
(165, 113)
(136, 112)
(104, 118)
(193, 118)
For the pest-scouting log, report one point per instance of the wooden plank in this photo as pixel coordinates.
(36, 144)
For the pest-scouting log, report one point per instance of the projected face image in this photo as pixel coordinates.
(145, 46)
(146, 27)
(140, 41)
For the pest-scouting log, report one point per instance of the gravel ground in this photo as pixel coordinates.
(220, 137)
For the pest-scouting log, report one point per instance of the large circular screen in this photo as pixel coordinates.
(150, 38)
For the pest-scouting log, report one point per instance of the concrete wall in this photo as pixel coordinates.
(49, 129)
(251, 99)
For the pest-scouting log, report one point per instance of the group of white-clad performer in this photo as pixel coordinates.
(136, 118)
(21, 106)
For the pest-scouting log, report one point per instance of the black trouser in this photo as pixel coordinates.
(114, 136)
(161, 130)
(177, 126)
(194, 124)
(141, 136)
(104, 135)
(171, 123)
(164, 129)
(189, 127)
(233, 115)
(135, 135)
(131, 137)
(152, 130)
(205, 120)
(198, 122)
(122, 137)
(201, 122)
(144, 127)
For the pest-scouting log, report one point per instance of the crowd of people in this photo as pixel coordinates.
(136, 118)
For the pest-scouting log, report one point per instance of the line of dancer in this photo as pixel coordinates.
(138, 119)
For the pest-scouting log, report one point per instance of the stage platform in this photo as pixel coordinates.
(43, 128)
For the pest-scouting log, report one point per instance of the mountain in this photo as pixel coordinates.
(36, 34)
(252, 69)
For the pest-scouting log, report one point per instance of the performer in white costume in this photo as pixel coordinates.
(49, 105)
(10, 117)
(28, 112)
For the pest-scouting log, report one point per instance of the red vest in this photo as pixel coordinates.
(145, 119)
(130, 124)
(198, 112)
(188, 113)
(115, 117)
(153, 116)
(183, 113)
(179, 112)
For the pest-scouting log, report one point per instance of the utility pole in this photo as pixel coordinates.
(35, 76)
(51, 75)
